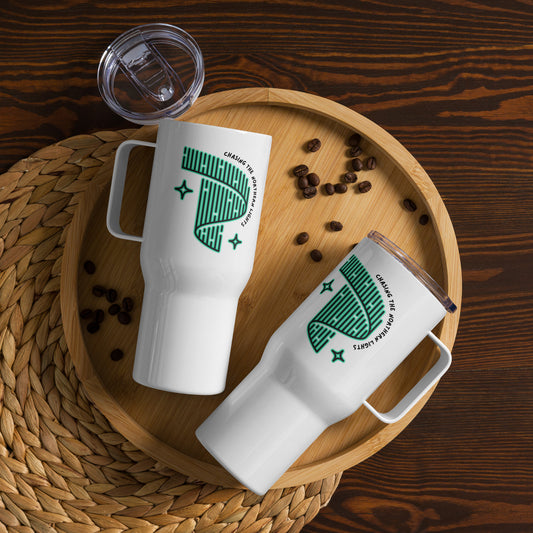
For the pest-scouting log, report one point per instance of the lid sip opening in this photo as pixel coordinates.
(151, 72)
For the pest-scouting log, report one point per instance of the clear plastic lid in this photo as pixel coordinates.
(151, 72)
(415, 269)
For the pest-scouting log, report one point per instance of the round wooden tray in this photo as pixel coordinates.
(163, 424)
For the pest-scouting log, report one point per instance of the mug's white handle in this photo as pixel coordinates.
(413, 396)
(117, 189)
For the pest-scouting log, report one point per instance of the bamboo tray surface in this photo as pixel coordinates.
(162, 424)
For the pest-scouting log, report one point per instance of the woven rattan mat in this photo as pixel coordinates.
(63, 467)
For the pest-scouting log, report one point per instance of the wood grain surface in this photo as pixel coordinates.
(453, 81)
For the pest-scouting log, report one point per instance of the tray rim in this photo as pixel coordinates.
(165, 453)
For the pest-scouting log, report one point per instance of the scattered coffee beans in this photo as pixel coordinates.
(124, 317)
(117, 354)
(364, 186)
(127, 304)
(340, 188)
(354, 140)
(357, 164)
(86, 313)
(89, 267)
(350, 177)
(93, 327)
(313, 179)
(302, 238)
(355, 151)
(316, 255)
(303, 182)
(335, 225)
(111, 295)
(300, 170)
(309, 192)
(99, 291)
(424, 219)
(314, 145)
(99, 316)
(371, 163)
(409, 204)
(113, 309)
(329, 188)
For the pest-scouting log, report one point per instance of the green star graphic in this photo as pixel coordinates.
(235, 241)
(327, 286)
(337, 356)
(183, 189)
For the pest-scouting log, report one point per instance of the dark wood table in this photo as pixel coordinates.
(453, 81)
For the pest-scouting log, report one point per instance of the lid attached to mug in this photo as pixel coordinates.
(151, 72)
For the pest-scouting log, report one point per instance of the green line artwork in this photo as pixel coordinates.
(223, 195)
(356, 310)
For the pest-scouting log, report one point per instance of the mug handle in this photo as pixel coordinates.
(117, 189)
(413, 396)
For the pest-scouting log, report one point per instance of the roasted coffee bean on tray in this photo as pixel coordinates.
(303, 182)
(111, 295)
(371, 163)
(424, 219)
(316, 255)
(340, 188)
(302, 237)
(314, 145)
(355, 151)
(124, 317)
(364, 186)
(99, 316)
(99, 291)
(350, 177)
(300, 170)
(329, 188)
(127, 304)
(86, 313)
(357, 164)
(309, 192)
(313, 179)
(89, 267)
(93, 327)
(335, 225)
(117, 354)
(113, 309)
(409, 204)
(355, 140)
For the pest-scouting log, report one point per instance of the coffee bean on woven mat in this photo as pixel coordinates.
(424, 219)
(371, 163)
(89, 267)
(127, 304)
(357, 164)
(313, 179)
(309, 192)
(86, 313)
(99, 316)
(354, 140)
(350, 177)
(302, 238)
(316, 255)
(93, 327)
(124, 317)
(303, 182)
(117, 354)
(364, 186)
(113, 309)
(314, 145)
(300, 170)
(111, 295)
(409, 204)
(340, 188)
(335, 225)
(99, 291)
(355, 151)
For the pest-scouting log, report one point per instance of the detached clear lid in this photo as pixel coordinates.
(151, 72)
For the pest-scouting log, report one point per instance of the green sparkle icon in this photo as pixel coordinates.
(337, 356)
(327, 286)
(183, 189)
(235, 241)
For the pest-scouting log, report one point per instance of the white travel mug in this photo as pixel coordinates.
(197, 252)
(326, 359)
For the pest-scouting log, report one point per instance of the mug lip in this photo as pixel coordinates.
(415, 269)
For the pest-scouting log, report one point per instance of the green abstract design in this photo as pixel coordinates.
(356, 310)
(223, 196)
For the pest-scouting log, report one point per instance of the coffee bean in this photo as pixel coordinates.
(316, 255)
(300, 170)
(309, 192)
(89, 267)
(113, 309)
(302, 238)
(350, 177)
(314, 180)
(314, 145)
(364, 186)
(99, 316)
(424, 219)
(117, 354)
(357, 164)
(335, 225)
(371, 163)
(354, 151)
(329, 188)
(340, 188)
(86, 313)
(93, 327)
(127, 304)
(99, 291)
(303, 182)
(124, 318)
(354, 140)
(111, 295)
(409, 204)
